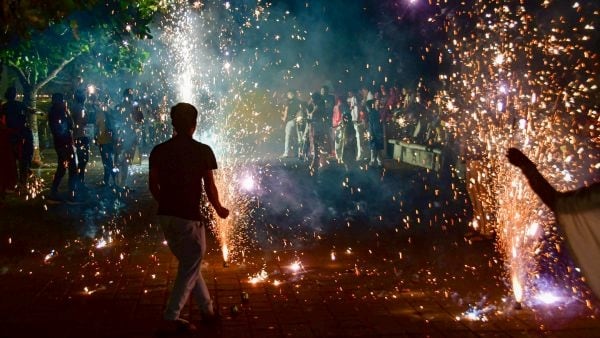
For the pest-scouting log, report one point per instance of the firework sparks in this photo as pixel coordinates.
(259, 277)
(502, 99)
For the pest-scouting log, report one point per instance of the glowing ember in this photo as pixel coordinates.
(49, 256)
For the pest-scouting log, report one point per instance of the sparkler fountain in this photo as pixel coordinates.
(526, 80)
(196, 72)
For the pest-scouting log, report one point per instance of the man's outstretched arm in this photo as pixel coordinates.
(213, 194)
(537, 182)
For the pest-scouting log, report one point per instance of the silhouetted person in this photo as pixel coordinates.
(15, 114)
(577, 212)
(375, 132)
(357, 124)
(338, 123)
(81, 135)
(180, 170)
(291, 112)
(317, 128)
(328, 103)
(105, 140)
(8, 164)
(61, 126)
(128, 118)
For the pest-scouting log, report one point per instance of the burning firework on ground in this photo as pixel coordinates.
(232, 231)
(528, 80)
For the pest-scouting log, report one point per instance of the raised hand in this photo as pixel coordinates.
(517, 158)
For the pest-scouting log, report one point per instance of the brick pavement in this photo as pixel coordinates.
(119, 290)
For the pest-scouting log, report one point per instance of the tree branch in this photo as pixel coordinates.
(20, 73)
(55, 72)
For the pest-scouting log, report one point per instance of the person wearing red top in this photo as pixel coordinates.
(337, 120)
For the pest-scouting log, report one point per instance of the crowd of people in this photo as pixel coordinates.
(354, 126)
(119, 130)
(350, 127)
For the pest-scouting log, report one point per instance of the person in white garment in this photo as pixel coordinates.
(577, 214)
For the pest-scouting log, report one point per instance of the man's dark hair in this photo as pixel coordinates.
(183, 117)
(128, 93)
(80, 96)
(10, 94)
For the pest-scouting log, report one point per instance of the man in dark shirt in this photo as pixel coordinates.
(180, 169)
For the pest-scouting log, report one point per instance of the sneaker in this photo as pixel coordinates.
(177, 326)
(208, 313)
(210, 318)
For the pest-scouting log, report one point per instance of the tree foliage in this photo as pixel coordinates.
(57, 34)
(40, 38)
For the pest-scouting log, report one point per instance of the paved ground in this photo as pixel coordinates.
(378, 253)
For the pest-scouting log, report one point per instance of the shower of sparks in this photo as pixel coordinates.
(516, 84)
(477, 314)
(259, 277)
(226, 114)
(498, 96)
(232, 231)
(102, 243)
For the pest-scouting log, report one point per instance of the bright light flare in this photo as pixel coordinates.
(258, 278)
(248, 183)
(548, 298)
(225, 251)
(517, 288)
(533, 228)
(102, 243)
(296, 266)
(499, 59)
